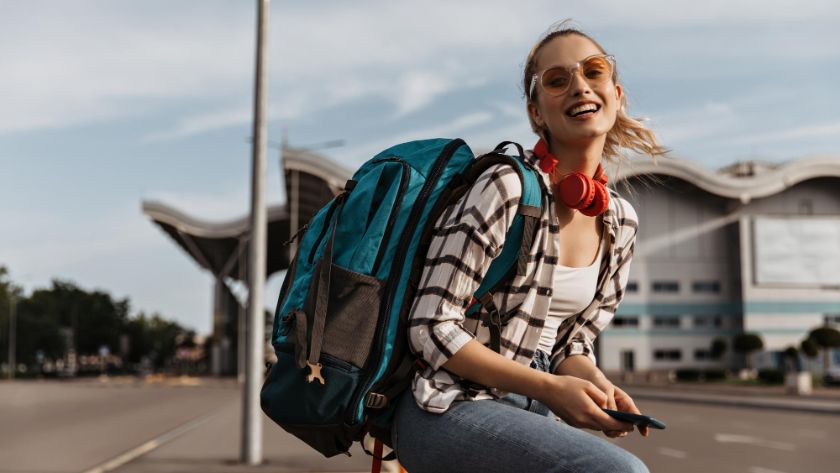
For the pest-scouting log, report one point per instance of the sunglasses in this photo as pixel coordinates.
(556, 80)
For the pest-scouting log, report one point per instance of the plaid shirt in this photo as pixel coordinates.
(466, 238)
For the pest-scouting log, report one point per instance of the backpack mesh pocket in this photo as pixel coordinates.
(352, 314)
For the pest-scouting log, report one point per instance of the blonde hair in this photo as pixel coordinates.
(627, 132)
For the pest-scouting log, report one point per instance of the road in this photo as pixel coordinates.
(706, 439)
(75, 426)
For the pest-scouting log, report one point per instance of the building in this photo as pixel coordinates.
(753, 247)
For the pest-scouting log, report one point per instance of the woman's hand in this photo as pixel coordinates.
(578, 402)
(617, 400)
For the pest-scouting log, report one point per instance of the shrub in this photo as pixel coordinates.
(714, 374)
(771, 376)
(688, 374)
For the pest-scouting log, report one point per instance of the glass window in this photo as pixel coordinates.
(710, 287)
(632, 286)
(626, 321)
(832, 319)
(666, 286)
(702, 354)
(668, 354)
(704, 321)
(666, 321)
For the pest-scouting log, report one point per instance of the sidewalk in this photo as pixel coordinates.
(823, 400)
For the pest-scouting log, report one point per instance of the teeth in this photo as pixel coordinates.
(587, 107)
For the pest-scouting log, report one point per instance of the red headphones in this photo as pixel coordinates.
(577, 190)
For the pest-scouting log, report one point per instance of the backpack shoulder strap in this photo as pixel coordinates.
(518, 241)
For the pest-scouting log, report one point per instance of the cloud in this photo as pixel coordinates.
(70, 64)
(814, 130)
(106, 235)
(455, 127)
(418, 89)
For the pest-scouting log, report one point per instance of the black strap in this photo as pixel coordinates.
(405, 374)
(299, 319)
(386, 458)
(532, 218)
(493, 320)
(501, 148)
(323, 291)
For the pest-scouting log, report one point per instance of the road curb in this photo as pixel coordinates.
(750, 403)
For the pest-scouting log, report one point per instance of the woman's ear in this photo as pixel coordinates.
(534, 112)
(619, 91)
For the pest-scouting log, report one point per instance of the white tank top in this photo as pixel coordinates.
(574, 289)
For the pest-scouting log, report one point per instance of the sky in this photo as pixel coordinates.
(104, 104)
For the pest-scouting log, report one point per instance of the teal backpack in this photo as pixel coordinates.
(340, 327)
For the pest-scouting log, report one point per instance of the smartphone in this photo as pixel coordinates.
(635, 419)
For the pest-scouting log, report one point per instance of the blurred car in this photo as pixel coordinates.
(832, 376)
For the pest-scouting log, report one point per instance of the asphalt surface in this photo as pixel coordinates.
(730, 439)
(134, 427)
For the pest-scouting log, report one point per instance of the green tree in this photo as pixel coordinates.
(746, 344)
(809, 348)
(792, 355)
(718, 348)
(153, 337)
(826, 338)
(34, 331)
(94, 318)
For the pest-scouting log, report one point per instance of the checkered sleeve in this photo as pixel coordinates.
(465, 239)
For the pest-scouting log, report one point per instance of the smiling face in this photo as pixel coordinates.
(585, 112)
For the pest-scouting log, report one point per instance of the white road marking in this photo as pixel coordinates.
(147, 447)
(758, 469)
(670, 452)
(749, 440)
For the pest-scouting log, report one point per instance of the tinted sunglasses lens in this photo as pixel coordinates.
(556, 80)
(597, 69)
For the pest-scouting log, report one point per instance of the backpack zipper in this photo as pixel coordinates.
(392, 218)
(324, 227)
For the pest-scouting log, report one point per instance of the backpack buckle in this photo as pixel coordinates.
(376, 400)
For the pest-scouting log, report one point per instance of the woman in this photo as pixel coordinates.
(472, 409)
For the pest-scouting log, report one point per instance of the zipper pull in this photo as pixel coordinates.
(314, 373)
(295, 236)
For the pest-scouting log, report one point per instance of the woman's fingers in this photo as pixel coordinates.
(611, 403)
(625, 403)
(616, 433)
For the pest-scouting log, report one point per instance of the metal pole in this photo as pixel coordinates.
(12, 335)
(251, 415)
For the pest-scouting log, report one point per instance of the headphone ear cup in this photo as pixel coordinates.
(600, 202)
(576, 190)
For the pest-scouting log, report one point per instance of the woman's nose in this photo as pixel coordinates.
(579, 85)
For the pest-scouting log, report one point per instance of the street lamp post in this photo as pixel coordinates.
(12, 335)
(251, 416)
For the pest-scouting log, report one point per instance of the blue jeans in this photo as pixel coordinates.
(512, 434)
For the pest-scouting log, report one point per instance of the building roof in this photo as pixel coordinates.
(315, 180)
(744, 181)
(219, 246)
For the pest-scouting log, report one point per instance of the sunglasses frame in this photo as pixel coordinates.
(537, 77)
